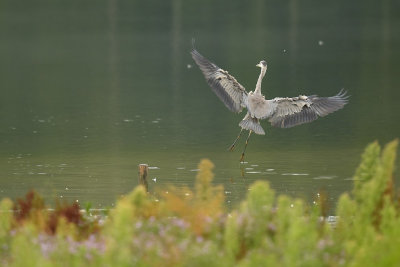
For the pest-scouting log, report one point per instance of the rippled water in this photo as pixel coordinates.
(90, 90)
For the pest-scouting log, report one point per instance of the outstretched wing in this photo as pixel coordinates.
(288, 112)
(223, 84)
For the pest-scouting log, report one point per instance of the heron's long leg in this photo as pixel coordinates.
(232, 147)
(245, 146)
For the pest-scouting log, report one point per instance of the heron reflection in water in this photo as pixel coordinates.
(283, 112)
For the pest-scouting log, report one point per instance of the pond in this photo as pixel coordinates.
(91, 89)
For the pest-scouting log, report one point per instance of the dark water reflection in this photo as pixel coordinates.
(91, 89)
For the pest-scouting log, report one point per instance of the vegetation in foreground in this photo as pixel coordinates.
(184, 228)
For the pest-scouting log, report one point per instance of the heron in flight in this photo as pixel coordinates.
(283, 112)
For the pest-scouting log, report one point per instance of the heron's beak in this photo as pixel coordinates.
(258, 65)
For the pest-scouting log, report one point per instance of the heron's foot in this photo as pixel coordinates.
(232, 147)
(242, 157)
(245, 146)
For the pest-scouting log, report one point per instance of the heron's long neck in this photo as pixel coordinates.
(258, 86)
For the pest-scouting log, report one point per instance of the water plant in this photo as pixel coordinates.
(185, 227)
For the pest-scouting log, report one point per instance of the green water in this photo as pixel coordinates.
(90, 89)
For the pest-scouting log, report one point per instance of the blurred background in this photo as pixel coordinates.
(90, 89)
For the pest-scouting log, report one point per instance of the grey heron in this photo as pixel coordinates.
(283, 112)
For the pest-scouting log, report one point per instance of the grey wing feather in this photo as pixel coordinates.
(289, 112)
(225, 86)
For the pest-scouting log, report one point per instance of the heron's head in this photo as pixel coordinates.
(262, 64)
